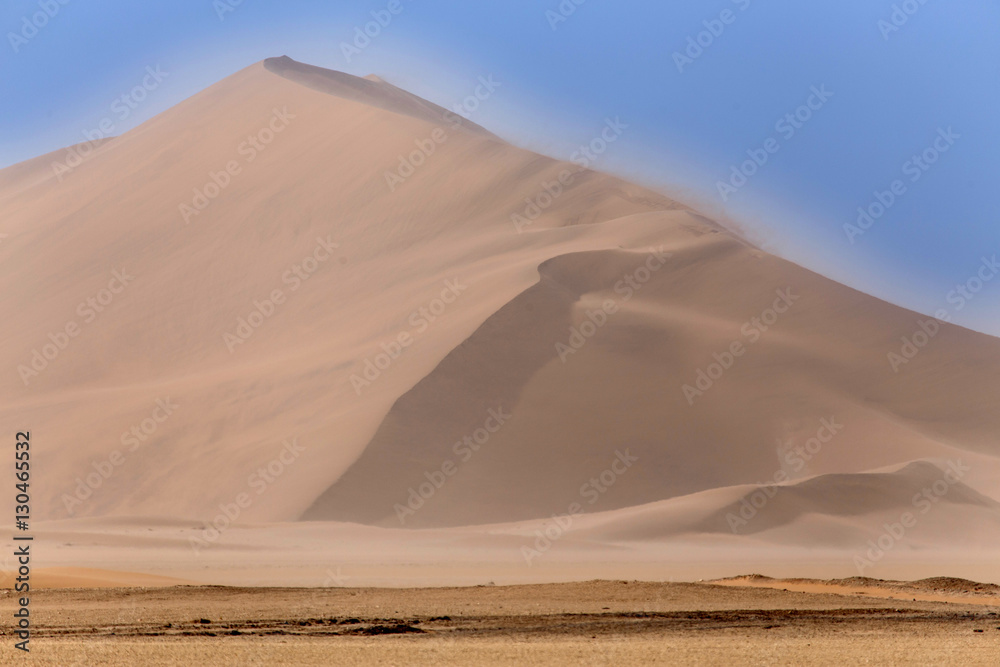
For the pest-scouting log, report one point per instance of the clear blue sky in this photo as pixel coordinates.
(892, 92)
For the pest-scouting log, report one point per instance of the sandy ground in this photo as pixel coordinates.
(595, 623)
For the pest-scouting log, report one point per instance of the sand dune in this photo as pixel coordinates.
(831, 511)
(322, 294)
(370, 91)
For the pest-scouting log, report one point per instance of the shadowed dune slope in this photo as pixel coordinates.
(818, 377)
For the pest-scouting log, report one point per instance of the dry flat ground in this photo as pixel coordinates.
(747, 621)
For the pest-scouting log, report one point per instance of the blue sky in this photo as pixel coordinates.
(895, 86)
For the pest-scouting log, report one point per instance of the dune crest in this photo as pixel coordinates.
(369, 90)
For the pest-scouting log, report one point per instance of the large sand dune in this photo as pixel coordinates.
(308, 291)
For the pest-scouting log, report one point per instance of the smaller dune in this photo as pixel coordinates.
(835, 510)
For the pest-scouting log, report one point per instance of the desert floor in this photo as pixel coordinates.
(738, 621)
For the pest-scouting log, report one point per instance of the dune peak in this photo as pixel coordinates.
(369, 90)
